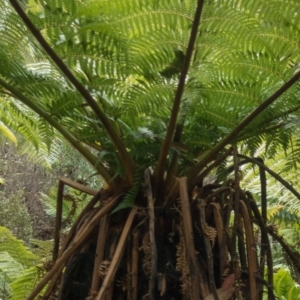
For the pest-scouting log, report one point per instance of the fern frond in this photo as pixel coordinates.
(130, 197)
(7, 133)
(9, 266)
(122, 53)
(285, 286)
(45, 156)
(15, 249)
(43, 249)
(273, 210)
(27, 279)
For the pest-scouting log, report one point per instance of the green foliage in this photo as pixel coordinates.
(7, 133)
(128, 55)
(285, 287)
(69, 163)
(24, 283)
(278, 196)
(130, 197)
(15, 261)
(43, 156)
(16, 250)
(42, 249)
(27, 279)
(73, 202)
(20, 269)
(4, 293)
(283, 206)
(14, 215)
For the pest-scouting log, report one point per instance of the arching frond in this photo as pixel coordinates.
(7, 133)
(129, 56)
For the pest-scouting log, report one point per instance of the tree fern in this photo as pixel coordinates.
(107, 84)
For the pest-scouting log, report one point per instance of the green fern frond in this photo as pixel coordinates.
(121, 52)
(22, 122)
(10, 266)
(72, 204)
(278, 196)
(16, 261)
(132, 18)
(273, 210)
(130, 197)
(43, 249)
(45, 156)
(7, 133)
(285, 287)
(15, 249)
(22, 286)
(286, 218)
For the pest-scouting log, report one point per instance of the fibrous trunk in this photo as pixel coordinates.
(207, 243)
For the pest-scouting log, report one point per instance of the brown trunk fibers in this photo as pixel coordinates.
(251, 251)
(99, 257)
(189, 241)
(150, 199)
(183, 250)
(134, 267)
(210, 263)
(60, 263)
(107, 282)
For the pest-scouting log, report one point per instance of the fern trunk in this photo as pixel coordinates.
(200, 244)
